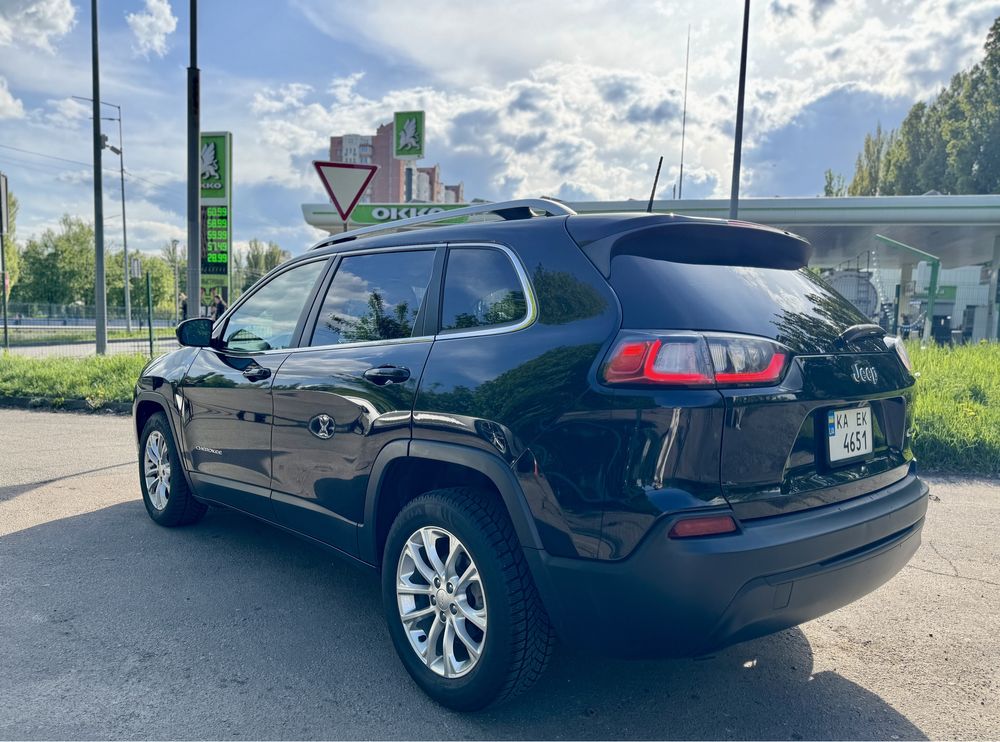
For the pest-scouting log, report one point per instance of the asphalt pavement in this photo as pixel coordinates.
(112, 627)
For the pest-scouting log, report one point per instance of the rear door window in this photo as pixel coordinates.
(481, 290)
(375, 297)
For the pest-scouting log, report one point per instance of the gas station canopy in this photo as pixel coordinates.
(961, 230)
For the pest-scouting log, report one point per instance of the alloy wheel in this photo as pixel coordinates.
(441, 602)
(156, 469)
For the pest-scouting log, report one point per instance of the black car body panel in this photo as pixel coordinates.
(594, 474)
(681, 597)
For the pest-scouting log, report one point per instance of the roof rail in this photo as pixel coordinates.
(522, 208)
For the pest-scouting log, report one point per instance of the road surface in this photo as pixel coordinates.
(112, 627)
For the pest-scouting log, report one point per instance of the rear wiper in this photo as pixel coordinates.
(856, 332)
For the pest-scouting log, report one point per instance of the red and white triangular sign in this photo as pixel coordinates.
(345, 182)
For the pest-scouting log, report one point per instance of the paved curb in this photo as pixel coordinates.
(65, 405)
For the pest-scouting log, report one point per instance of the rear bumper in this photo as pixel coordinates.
(683, 597)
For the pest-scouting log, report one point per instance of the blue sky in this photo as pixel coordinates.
(522, 98)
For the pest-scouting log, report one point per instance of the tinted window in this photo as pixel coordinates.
(375, 297)
(792, 306)
(481, 289)
(266, 321)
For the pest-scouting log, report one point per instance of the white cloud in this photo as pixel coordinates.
(10, 107)
(570, 128)
(285, 97)
(800, 51)
(68, 112)
(38, 23)
(152, 27)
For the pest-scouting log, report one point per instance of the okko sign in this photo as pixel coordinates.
(216, 212)
(408, 135)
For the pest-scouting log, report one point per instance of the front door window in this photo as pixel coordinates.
(267, 320)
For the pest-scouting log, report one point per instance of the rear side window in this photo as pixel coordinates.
(481, 289)
(375, 297)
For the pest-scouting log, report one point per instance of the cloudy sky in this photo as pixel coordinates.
(575, 100)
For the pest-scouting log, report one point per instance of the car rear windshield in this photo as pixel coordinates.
(794, 307)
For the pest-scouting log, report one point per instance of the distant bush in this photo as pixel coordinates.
(957, 415)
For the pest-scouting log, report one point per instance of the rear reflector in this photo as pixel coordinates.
(692, 359)
(711, 525)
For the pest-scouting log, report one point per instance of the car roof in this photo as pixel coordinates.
(583, 228)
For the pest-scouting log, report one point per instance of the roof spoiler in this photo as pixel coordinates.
(704, 242)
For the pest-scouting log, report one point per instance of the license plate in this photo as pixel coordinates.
(849, 433)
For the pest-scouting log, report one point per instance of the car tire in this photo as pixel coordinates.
(165, 491)
(516, 640)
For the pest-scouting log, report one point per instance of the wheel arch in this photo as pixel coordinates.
(447, 464)
(147, 404)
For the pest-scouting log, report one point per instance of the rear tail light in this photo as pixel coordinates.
(672, 359)
(712, 525)
(692, 359)
(897, 344)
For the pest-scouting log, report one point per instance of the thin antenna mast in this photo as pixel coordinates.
(652, 193)
(684, 116)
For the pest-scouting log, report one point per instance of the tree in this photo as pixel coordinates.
(950, 144)
(258, 260)
(834, 185)
(10, 251)
(58, 266)
(161, 278)
(173, 256)
(909, 151)
(979, 150)
(868, 168)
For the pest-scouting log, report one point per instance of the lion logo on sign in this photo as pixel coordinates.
(408, 136)
(209, 162)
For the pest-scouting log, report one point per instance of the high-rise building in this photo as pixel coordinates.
(390, 182)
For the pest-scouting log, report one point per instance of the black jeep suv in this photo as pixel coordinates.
(648, 434)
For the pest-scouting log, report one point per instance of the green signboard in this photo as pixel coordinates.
(381, 213)
(944, 293)
(216, 173)
(216, 210)
(408, 135)
(215, 239)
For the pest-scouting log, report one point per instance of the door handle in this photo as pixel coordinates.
(382, 375)
(256, 372)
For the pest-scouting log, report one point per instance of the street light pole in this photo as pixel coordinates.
(193, 144)
(100, 287)
(176, 258)
(121, 162)
(121, 168)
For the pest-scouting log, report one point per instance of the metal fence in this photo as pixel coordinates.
(71, 330)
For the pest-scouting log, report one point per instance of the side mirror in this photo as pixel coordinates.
(196, 332)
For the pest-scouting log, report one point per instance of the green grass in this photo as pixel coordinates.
(957, 413)
(98, 379)
(34, 336)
